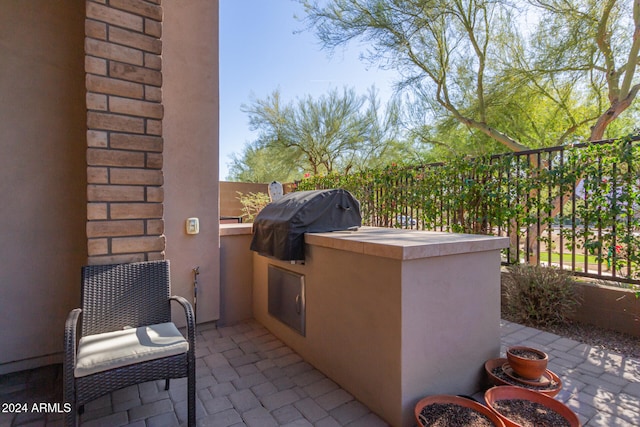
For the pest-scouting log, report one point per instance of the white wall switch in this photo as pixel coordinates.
(193, 226)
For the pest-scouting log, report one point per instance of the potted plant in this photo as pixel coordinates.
(446, 410)
(519, 407)
(550, 383)
(527, 362)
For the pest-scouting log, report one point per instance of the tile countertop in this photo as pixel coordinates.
(392, 242)
(405, 244)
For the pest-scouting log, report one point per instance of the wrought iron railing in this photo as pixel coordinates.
(575, 207)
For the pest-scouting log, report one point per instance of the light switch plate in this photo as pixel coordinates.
(192, 226)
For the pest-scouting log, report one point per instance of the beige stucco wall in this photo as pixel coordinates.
(42, 176)
(609, 308)
(348, 336)
(236, 274)
(190, 130)
(454, 306)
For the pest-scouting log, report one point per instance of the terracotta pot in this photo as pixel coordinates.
(457, 400)
(492, 364)
(529, 369)
(511, 392)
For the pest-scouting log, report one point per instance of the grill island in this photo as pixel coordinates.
(391, 315)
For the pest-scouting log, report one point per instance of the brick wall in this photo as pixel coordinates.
(123, 66)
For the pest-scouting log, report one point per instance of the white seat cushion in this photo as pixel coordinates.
(101, 352)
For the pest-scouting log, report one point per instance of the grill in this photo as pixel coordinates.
(278, 230)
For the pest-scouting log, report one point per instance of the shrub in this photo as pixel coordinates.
(541, 296)
(252, 204)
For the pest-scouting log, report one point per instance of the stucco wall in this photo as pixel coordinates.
(609, 308)
(236, 274)
(334, 312)
(42, 176)
(190, 131)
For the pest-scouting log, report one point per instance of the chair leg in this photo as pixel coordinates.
(71, 418)
(191, 398)
(166, 384)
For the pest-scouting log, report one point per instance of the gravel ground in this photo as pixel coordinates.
(624, 344)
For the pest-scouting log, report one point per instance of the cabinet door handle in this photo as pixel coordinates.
(298, 305)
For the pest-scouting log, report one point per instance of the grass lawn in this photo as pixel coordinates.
(567, 258)
(593, 261)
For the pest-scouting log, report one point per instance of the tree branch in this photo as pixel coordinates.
(631, 65)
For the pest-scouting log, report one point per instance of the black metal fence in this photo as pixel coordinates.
(574, 207)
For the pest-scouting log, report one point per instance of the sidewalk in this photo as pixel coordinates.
(247, 377)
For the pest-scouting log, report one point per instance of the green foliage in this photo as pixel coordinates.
(522, 74)
(252, 204)
(611, 198)
(592, 43)
(542, 296)
(515, 194)
(339, 131)
(448, 54)
(264, 164)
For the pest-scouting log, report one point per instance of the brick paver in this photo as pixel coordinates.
(247, 377)
(600, 386)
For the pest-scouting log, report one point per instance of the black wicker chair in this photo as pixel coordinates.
(126, 306)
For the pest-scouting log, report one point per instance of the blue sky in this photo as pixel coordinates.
(260, 52)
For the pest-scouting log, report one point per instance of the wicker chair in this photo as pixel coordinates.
(127, 336)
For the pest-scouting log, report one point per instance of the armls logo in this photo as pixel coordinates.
(51, 408)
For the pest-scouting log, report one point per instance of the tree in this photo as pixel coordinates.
(468, 61)
(597, 42)
(264, 164)
(445, 50)
(337, 132)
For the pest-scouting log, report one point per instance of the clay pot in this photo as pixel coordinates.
(457, 400)
(494, 380)
(525, 367)
(511, 392)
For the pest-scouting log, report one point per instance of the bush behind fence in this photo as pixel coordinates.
(576, 207)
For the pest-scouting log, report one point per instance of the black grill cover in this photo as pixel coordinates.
(278, 230)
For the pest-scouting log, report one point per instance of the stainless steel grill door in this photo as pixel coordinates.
(287, 297)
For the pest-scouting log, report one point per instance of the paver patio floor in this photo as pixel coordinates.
(247, 377)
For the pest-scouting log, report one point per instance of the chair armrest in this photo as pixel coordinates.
(70, 343)
(70, 335)
(190, 317)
